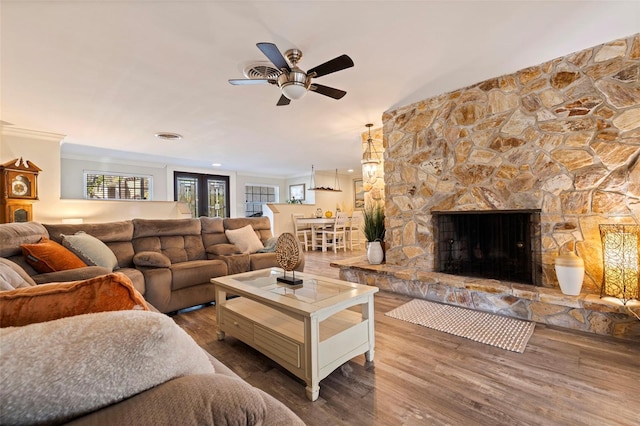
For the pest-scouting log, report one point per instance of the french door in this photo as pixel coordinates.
(206, 195)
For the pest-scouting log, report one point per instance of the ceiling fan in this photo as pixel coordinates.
(292, 81)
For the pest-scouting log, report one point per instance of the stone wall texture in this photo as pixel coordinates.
(562, 137)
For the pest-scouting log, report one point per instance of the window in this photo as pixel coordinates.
(255, 196)
(117, 186)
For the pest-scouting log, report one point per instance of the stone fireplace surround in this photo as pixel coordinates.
(562, 137)
(499, 244)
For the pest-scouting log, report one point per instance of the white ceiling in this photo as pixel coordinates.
(111, 74)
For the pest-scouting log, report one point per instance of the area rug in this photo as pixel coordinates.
(503, 332)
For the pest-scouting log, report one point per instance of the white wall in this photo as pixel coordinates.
(43, 149)
(280, 215)
(327, 200)
(61, 194)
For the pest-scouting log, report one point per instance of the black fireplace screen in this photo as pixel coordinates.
(501, 245)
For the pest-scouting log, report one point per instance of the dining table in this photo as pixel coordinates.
(317, 224)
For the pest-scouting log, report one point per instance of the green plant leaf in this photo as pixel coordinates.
(373, 226)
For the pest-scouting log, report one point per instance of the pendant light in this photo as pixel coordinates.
(370, 158)
(336, 188)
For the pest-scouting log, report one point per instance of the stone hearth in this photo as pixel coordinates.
(586, 312)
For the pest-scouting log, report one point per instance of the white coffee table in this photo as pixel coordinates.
(307, 329)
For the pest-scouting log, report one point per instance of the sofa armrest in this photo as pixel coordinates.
(151, 259)
(71, 274)
(236, 262)
(223, 249)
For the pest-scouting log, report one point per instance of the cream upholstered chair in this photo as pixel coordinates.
(336, 236)
(354, 229)
(301, 232)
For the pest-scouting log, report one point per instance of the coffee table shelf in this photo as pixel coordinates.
(309, 337)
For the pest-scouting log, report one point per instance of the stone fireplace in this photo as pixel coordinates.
(503, 245)
(561, 138)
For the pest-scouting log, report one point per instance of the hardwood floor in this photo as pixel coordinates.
(424, 377)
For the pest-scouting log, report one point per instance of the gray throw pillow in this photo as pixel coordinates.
(269, 245)
(91, 250)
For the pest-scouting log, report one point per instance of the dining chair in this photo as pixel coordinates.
(354, 229)
(303, 233)
(336, 236)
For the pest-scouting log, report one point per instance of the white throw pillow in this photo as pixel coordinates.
(245, 239)
(54, 371)
(91, 250)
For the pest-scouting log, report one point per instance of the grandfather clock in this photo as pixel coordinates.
(18, 190)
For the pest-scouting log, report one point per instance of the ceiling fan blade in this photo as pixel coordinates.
(336, 64)
(244, 81)
(271, 51)
(283, 101)
(328, 91)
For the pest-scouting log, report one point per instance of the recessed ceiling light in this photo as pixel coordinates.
(216, 164)
(168, 136)
(350, 170)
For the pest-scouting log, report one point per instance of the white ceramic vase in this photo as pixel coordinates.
(375, 253)
(570, 273)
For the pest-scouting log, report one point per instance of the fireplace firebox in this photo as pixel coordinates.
(502, 245)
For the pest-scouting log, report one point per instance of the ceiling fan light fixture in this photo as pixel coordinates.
(293, 82)
(294, 90)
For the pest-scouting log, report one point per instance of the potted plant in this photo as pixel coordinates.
(374, 230)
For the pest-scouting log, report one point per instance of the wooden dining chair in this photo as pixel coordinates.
(336, 236)
(354, 229)
(303, 233)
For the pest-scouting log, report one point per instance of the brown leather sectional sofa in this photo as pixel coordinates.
(169, 261)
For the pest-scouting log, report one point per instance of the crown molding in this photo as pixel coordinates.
(33, 134)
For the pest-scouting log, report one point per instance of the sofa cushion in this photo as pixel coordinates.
(236, 263)
(137, 279)
(13, 276)
(213, 231)
(202, 400)
(178, 239)
(49, 256)
(245, 239)
(224, 249)
(152, 259)
(52, 372)
(116, 235)
(13, 235)
(189, 274)
(91, 250)
(262, 225)
(263, 260)
(52, 301)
